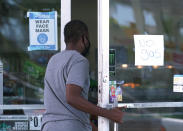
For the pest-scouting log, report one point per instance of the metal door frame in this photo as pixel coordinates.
(65, 17)
(103, 60)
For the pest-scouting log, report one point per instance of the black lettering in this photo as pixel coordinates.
(37, 21)
(47, 30)
(41, 25)
(45, 21)
(37, 30)
(35, 122)
(42, 30)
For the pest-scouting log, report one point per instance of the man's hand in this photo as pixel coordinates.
(116, 114)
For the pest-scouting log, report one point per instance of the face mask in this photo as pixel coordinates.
(87, 46)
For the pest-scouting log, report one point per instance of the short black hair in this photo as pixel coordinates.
(74, 30)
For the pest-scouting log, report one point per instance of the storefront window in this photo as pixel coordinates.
(146, 84)
(23, 70)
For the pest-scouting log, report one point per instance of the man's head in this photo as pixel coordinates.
(76, 35)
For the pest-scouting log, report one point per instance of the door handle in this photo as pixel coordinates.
(115, 104)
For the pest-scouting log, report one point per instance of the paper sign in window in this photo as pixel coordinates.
(149, 50)
(178, 83)
(42, 30)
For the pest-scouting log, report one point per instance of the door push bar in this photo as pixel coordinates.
(143, 105)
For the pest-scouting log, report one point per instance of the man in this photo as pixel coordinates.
(67, 85)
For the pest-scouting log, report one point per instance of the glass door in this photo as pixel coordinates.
(148, 91)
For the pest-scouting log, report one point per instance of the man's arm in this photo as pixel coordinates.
(74, 98)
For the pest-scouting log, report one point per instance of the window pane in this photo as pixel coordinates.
(154, 17)
(154, 119)
(23, 70)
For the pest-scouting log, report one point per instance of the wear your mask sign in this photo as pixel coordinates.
(149, 50)
(42, 30)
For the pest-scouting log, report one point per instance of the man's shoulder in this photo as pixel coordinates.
(78, 57)
(72, 56)
(75, 56)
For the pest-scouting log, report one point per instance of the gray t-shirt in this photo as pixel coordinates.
(66, 67)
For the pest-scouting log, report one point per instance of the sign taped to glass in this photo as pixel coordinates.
(149, 50)
(42, 30)
(178, 83)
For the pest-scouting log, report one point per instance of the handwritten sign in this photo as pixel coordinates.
(42, 30)
(149, 50)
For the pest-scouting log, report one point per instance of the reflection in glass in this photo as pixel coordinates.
(149, 120)
(147, 83)
(23, 71)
